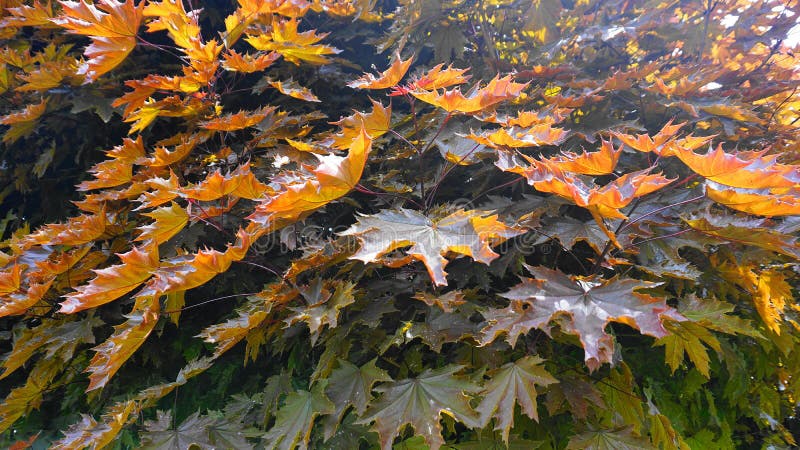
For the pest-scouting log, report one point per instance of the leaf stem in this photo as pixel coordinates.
(449, 166)
(656, 211)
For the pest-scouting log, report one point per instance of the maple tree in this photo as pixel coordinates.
(227, 226)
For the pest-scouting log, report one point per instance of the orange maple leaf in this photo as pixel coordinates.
(119, 169)
(169, 220)
(388, 78)
(126, 339)
(760, 202)
(248, 63)
(440, 77)
(112, 26)
(115, 281)
(292, 89)
(334, 177)
(743, 169)
(498, 90)
(516, 137)
(657, 144)
(238, 121)
(601, 162)
(294, 46)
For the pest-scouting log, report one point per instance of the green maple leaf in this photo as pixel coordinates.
(688, 338)
(716, 315)
(351, 385)
(513, 383)
(295, 418)
(616, 439)
(161, 436)
(420, 402)
(588, 306)
(621, 398)
(225, 434)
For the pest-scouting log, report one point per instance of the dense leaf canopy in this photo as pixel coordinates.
(226, 224)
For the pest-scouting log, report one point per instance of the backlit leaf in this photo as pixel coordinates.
(388, 78)
(113, 282)
(126, 339)
(295, 47)
(168, 221)
(112, 27)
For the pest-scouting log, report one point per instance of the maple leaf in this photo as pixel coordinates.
(190, 433)
(334, 177)
(605, 201)
(388, 78)
(238, 121)
(22, 122)
(248, 63)
(715, 315)
(112, 26)
(183, 28)
(516, 137)
(512, 383)
(420, 402)
(469, 233)
(36, 15)
(294, 46)
(291, 8)
(162, 157)
(496, 91)
(292, 89)
(324, 310)
(350, 385)
(89, 432)
(127, 338)
(77, 231)
(601, 162)
(614, 439)
(589, 305)
(688, 338)
(59, 339)
(115, 281)
(446, 302)
(658, 144)
(213, 187)
(758, 234)
(295, 418)
(743, 169)
(620, 396)
(169, 221)
(768, 288)
(374, 124)
(758, 202)
(187, 272)
(23, 399)
(119, 169)
(440, 77)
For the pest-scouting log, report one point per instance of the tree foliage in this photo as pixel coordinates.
(228, 226)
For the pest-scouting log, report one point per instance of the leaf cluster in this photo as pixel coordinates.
(415, 224)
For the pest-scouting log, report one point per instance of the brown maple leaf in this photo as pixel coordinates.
(587, 306)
